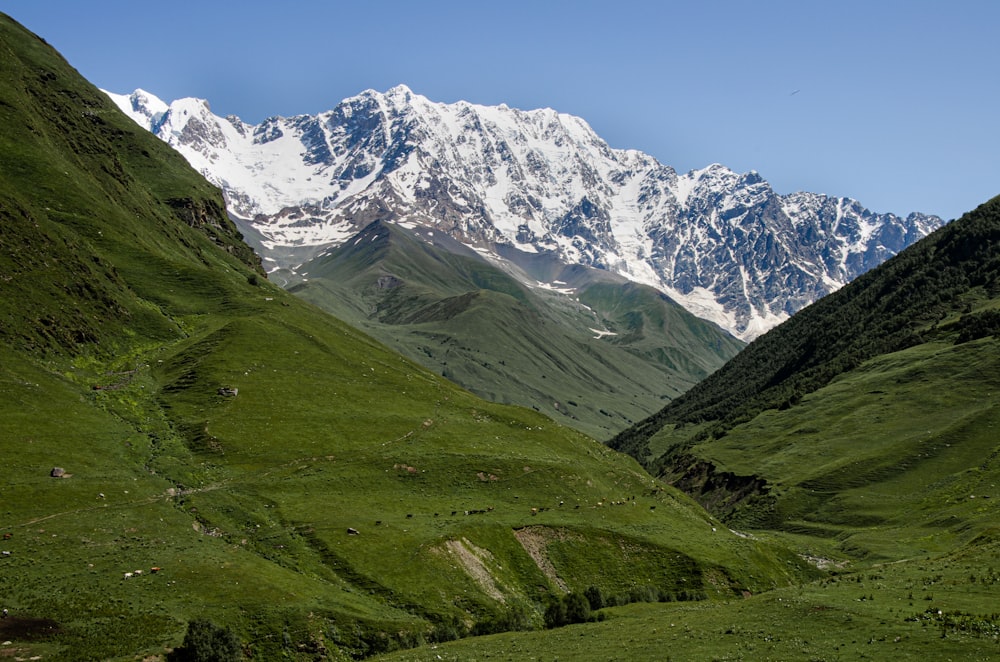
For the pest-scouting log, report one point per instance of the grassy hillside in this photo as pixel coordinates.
(224, 450)
(598, 359)
(79, 184)
(951, 274)
(864, 428)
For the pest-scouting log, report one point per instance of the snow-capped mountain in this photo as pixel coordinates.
(724, 245)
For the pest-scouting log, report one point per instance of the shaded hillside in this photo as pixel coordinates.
(184, 440)
(598, 354)
(866, 421)
(895, 306)
(79, 185)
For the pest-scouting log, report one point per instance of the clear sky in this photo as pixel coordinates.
(893, 102)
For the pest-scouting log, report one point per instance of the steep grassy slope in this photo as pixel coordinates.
(865, 427)
(598, 356)
(79, 183)
(284, 474)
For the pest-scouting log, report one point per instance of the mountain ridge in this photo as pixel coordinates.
(724, 245)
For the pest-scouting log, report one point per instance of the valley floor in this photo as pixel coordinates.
(938, 609)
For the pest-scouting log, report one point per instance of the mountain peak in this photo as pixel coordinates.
(723, 244)
(143, 107)
(399, 91)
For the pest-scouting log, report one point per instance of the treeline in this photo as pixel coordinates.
(895, 306)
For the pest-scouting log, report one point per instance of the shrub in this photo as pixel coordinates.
(207, 642)
(555, 614)
(595, 597)
(577, 608)
(510, 620)
(571, 608)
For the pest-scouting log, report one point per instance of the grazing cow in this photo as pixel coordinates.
(128, 575)
(352, 532)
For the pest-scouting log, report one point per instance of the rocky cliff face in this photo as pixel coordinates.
(723, 244)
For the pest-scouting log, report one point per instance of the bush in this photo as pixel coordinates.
(207, 642)
(571, 608)
(577, 608)
(511, 620)
(595, 597)
(555, 614)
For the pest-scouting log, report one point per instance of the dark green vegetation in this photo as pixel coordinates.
(866, 422)
(229, 453)
(206, 641)
(598, 359)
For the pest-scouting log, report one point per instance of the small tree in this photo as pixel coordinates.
(555, 614)
(577, 608)
(207, 642)
(595, 597)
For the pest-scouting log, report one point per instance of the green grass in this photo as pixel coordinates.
(887, 461)
(463, 318)
(943, 608)
(246, 502)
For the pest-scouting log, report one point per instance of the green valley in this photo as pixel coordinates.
(597, 356)
(190, 448)
(186, 441)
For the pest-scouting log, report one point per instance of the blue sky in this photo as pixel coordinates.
(894, 103)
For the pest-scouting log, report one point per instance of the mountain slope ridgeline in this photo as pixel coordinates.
(588, 354)
(724, 245)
